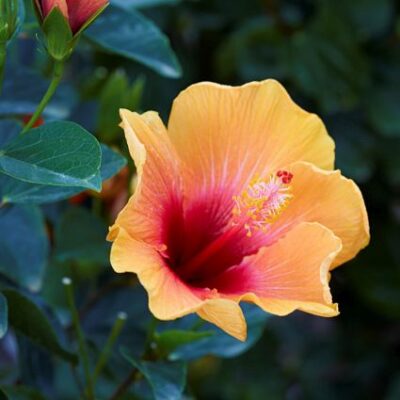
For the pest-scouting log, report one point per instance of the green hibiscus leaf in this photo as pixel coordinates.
(220, 344)
(16, 191)
(23, 245)
(3, 316)
(58, 153)
(81, 235)
(130, 34)
(166, 379)
(29, 320)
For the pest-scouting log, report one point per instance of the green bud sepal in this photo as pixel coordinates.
(60, 41)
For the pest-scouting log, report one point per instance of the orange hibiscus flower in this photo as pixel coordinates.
(236, 201)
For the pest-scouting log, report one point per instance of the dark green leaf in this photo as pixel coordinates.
(221, 344)
(355, 147)
(29, 320)
(21, 97)
(23, 245)
(369, 18)
(166, 379)
(16, 191)
(58, 153)
(322, 60)
(255, 51)
(117, 93)
(81, 236)
(143, 3)
(131, 35)
(383, 110)
(111, 163)
(168, 341)
(21, 393)
(9, 130)
(3, 316)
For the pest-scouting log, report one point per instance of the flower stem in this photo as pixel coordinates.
(83, 352)
(58, 71)
(105, 354)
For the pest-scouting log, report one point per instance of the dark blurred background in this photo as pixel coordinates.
(341, 60)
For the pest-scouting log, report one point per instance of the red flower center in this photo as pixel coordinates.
(207, 241)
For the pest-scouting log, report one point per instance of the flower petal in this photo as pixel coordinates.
(157, 201)
(226, 134)
(48, 5)
(227, 315)
(81, 10)
(169, 297)
(291, 274)
(330, 199)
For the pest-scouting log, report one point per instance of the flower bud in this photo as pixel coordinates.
(8, 19)
(64, 20)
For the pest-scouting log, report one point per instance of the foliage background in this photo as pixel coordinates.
(340, 59)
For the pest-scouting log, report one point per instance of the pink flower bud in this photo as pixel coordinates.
(77, 12)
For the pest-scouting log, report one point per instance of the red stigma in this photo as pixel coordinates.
(286, 177)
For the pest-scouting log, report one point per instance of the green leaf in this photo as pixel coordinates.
(255, 51)
(221, 344)
(383, 110)
(21, 393)
(29, 320)
(16, 191)
(111, 163)
(129, 34)
(23, 245)
(166, 379)
(355, 147)
(58, 153)
(117, 93)
(9, 130)
(322, 60)
(369, 18)
(81, 236)
(169, 340)
(3, 316)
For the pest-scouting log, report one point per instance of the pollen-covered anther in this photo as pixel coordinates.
(262, 202)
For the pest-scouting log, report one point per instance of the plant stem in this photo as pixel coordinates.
(151, 330)
(124, 386)
(105, 354)
(3, 54)
(89, 392)
(134, 374)
(58, 71)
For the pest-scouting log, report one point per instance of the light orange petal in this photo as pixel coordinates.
(227, 315)
(169, 297)
(292, 274)
(226, 135)
(157, 195)
(330, 199)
